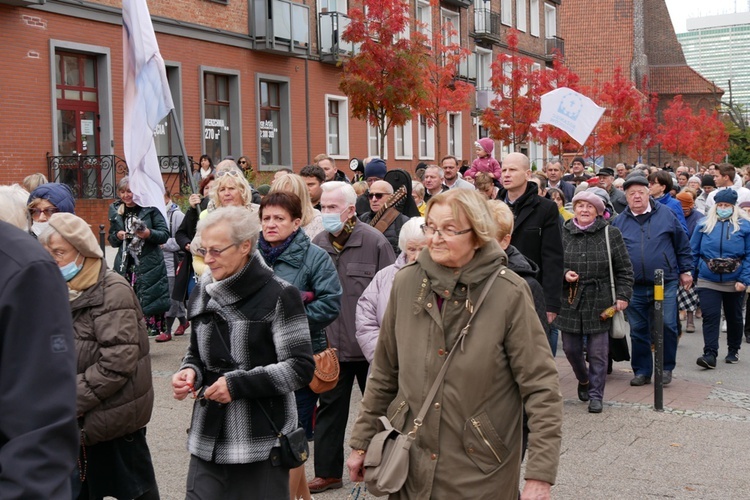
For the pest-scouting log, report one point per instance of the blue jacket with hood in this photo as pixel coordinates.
(655, 240)
(722, 242)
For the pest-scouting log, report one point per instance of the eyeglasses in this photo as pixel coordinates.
(213, 252)
(430, 231)
(36, 212)
(242, 162)
(376, 196)
(233, 173)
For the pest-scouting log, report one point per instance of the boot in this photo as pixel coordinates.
(690, 327)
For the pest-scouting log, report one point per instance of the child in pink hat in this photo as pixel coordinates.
(484, 161)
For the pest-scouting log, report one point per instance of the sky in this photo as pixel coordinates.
(680, 10)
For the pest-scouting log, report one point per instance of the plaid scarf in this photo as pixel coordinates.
(340, 240)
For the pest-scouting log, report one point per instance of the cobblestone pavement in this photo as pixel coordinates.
(698, 448)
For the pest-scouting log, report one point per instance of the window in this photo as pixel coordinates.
(534, 17)
(451, 27)
(402, 140)
(426, 140)
(333, 6)
(506, 15)
(274, 122)
(373, 142)
(165, 134)
(484, 69)
(424, 17)
(521, 15)
(550, 21)
(217, 131)
(454, 134)
(337, 116)
(507, 74)
(82, 125)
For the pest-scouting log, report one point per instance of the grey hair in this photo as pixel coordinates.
(123, 184)
(440, 170)
(417, 187)
(227, 165)
(13, 206)
(410, 231)
(244, 224)
(350, 196)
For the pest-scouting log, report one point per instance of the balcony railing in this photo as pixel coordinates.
(555, 45)
(486, 25)
(332, 47)
(95, 177)
(281, 26)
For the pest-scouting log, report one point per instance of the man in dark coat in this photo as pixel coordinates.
(554, 180)
(577, 170)
(616, 197)
(537, 227)
(38, 430)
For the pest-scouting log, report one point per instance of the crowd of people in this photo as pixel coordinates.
(389, 268)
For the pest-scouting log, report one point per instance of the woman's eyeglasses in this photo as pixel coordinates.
(36, 212)
(233, 173)
(213, 252)
(430, 231)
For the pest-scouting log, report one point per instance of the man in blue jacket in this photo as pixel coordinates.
(655, 240)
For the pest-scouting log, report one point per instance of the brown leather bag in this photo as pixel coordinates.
(326, 371)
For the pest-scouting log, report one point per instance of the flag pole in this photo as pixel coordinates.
(188, 166)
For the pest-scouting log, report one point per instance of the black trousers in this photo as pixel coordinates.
(333, 414)
(255, 481)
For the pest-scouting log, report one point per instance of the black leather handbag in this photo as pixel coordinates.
(294, 448)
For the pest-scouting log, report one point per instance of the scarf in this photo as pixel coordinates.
(270, 253)
(340, 240)
(86, 278)
(579, 226)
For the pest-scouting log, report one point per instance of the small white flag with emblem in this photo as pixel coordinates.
(571, 112)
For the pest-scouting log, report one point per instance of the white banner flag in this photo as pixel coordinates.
(570, 111)
(147, 100)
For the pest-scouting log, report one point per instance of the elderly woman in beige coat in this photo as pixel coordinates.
(115, 394)
(469, 445)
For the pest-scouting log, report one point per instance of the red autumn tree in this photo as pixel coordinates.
(712, 139)
(385, 79)
(647, 135)
(558, 141)
(444, 93)
(513, 114)
(677, 133)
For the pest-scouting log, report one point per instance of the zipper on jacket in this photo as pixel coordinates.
(398, 410)
(478, 426)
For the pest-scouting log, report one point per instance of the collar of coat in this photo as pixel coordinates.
(598, 224)
(483, 264)
(247, 281)
(294, 255)
(94, 295)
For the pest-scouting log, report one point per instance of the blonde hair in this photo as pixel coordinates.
(482, 181)
(293, 183)
(503, 217)
(711, 219)
(474, 207)
(360, 187)
(33, 181)
(240, 182)
(13, 208)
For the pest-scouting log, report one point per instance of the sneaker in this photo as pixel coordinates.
(640, 380)
(708, 360)
(733, 357)
(666, 377)
(163, 337)
(181, 329)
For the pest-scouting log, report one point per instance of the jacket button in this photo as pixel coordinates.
(441, 352)
(446, 293)
(433, 456)
(471, 450)
(502, 272)
(437, 406)
(455, 302)
(429, 305)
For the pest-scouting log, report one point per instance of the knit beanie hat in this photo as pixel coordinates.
(375, 168)
(745, 204)
(59, 195)
(487, 144)
(78, 233)
(581, 187)
(578, 159)
(686, 199)
(708, 180)
(728, 195)
(592, 198)
(695, 178)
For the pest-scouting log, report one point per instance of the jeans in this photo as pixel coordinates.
(639, 314)
(552, 337)
(306, 401)
(597, 347)
(711, 302)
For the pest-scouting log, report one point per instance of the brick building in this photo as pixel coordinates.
(637, 36)
(256, 78)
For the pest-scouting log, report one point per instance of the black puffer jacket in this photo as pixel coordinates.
(528, 270)
(151, 286)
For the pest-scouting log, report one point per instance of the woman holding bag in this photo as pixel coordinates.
(587, 293)
(721, 257)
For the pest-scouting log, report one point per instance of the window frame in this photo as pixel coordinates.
(284, 128)
(534, 23)
(343, 130)
(521, 22)
(427, 137)
(373, 135)
(506, 12)
(454, 140)
(406, 130)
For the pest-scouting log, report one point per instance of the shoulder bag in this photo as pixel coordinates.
(326, 374)
(620, 326)
(387, 460)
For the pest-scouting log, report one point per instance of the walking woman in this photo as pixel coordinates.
(139, 232)
(587, 293)
(721, 255)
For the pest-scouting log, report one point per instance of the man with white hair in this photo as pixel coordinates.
(433, 182)
(359, 252)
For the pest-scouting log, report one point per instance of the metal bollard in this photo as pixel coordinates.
(659, 340)
(101, 237)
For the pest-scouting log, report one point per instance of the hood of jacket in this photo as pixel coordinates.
(520, 264)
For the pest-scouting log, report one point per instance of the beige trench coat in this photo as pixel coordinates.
(470, 443)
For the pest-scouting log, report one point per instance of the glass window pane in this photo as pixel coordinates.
(222, 88)
(210, 87)
(66, 132)
(58, 71)
(273, 94)
(72, 74)
(73, 95)
(270, 144)
(89, 72)
(58, 93)
(89, 96)
(263, 94)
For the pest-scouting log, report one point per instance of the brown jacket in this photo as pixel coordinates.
(470, 443)
(115, 391)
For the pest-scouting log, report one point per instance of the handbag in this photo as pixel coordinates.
(387, 460)
(326, 374)
(620, 326)
(294, 450)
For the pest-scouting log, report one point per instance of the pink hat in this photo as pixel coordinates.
(592, 198)
(487, 144)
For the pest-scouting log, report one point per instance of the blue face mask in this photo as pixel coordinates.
(724, 213)
(69, 271)
(332, 222)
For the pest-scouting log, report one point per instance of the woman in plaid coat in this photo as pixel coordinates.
(587, 293)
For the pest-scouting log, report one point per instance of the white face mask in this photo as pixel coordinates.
(38, 227)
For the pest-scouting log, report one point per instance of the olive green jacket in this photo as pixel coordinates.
(469, 445)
